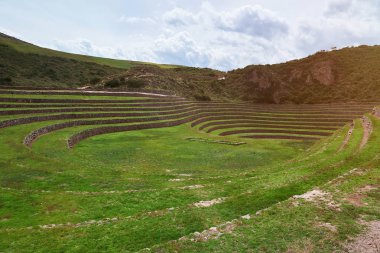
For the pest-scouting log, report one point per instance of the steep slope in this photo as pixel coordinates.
(340, 75)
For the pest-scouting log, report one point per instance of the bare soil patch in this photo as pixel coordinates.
(356, 199)
(367, 128)
(207, 203)
(368, 241)
(328, 226)
(318, 196)
(348, 137)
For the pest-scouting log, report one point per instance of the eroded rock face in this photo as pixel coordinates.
(323, 72)
(295, 74)
(261, 79)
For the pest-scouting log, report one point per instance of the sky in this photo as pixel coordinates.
(217, 34)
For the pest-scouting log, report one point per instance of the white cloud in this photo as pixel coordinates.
(345, 22)
(226, 39)
(180, 49)
(222, 40)
(338, 6)
(136, 20)
(252, 20)
(179, 17)
(84, 46)
(252, 34)
(357, 9)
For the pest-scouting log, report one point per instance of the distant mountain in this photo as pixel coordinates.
(349, 74)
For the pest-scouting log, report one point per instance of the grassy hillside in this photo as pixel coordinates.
(349, 74)
(25, 64)
(27, 48)
(193, 83)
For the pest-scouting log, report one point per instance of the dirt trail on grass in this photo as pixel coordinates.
(367, 242)
(348, 137)
(319, 197)
(376, 112)
(120, 92)
(367, 128)
(356, 198)
(207, 203)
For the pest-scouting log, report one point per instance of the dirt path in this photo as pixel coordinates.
(367, 242)
(367, 128)
(348, 137)
(376, 112)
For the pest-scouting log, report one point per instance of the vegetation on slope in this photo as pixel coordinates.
(24, 64)
(27, 48)
(339, 75)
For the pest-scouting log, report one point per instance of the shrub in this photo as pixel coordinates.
(5, 80)
(202, 97)
(95, 80)
(112, 83)
(135, 83)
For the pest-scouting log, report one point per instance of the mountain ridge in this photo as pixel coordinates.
(348, 74)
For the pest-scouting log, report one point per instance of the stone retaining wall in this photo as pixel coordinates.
(138, 106)
(163, 92)
(270, 126)
(272, 131)
(31, 137)
(212, 117)
(61, 110)
(88, 93)
(28, 120)
(281, 137)
(231, 122)
(87, 101)
(76, 138)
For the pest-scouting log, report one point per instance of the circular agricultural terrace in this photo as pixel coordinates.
(112, 112)
(136, 171)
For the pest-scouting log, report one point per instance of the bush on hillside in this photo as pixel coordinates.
(95, 80)
(135, 83)
(5, 80)
(202, 97)
(113, 83)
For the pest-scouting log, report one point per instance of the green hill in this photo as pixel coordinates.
(24, 64)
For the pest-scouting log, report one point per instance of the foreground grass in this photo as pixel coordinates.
(157, 163)
(307, 226)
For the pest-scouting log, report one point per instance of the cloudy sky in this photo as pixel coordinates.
(218, 34)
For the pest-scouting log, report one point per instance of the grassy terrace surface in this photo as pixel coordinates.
(128, 191)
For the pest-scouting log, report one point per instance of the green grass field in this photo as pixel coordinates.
(156, 190)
